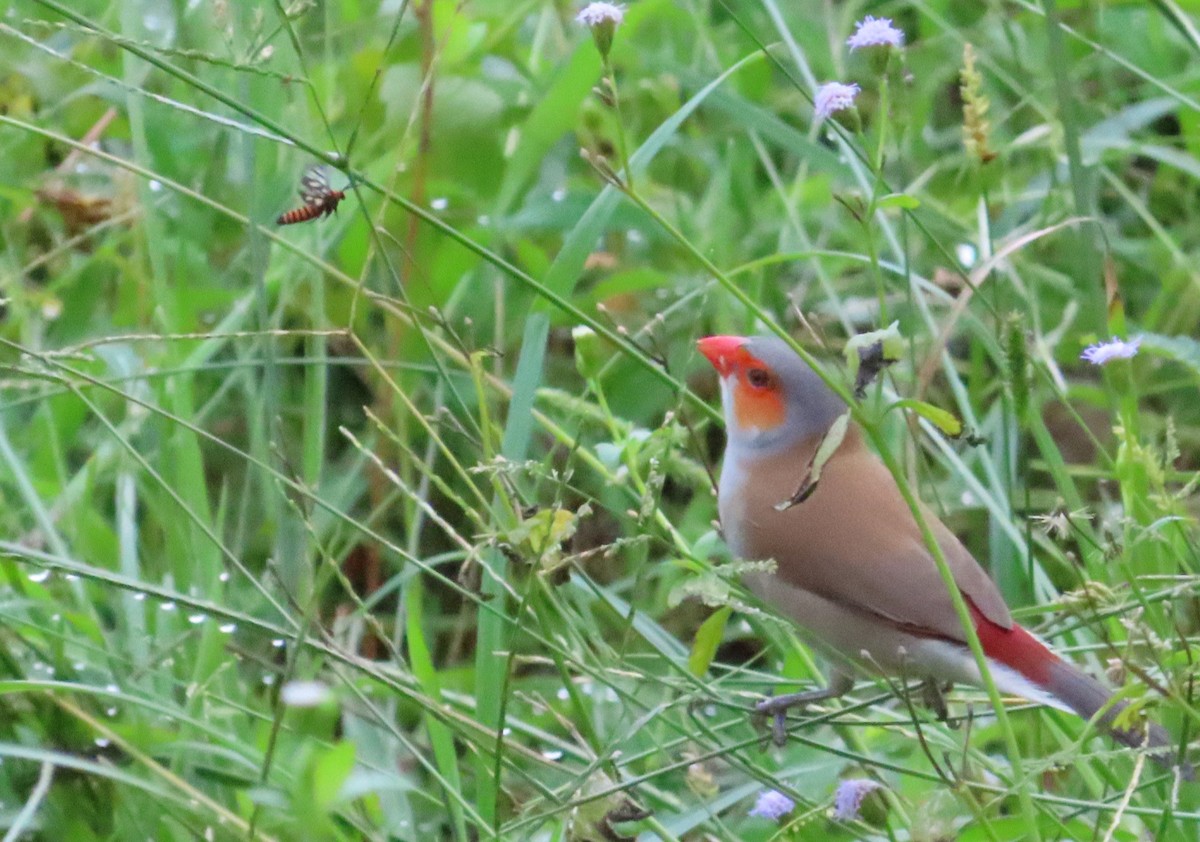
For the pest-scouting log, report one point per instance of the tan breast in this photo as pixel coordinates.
(854, 541)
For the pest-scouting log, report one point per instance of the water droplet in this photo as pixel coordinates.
(966, 254)
(112, 688)
(167, 606)
(197, 619)
(278, 642)
(227, 628)
(138, 597)
(268, 679)
(439, 203)
(224, 577)
(102, 742)
(111, 711)
(71, 577)
(552, 754)
(563, 694)
(559, 194)
(40, 576)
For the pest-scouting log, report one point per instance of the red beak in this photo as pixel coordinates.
(721, 351)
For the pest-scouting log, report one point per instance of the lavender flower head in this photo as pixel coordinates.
(875, 32)
(772, 804)
(833, 97)
(848, 798)
(603, 19)
(595, 14)
(1102, 353)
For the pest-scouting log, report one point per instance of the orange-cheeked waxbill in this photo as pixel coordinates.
(851, 565)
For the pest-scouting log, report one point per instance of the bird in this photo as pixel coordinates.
(851, 565)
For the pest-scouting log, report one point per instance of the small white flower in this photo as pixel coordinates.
(848, 798)
(833, 97)
(875, 32)
(773, 805)
(304, 694)
(603, 19)
(595, 14)
(1116, 348)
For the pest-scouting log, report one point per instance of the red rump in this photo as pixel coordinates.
(1015, 648)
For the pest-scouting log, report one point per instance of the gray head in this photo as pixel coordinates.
(772, 398)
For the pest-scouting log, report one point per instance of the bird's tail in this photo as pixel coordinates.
(1019, 650)
(1087, 697)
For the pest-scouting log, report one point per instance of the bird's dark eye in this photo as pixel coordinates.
(759, 378)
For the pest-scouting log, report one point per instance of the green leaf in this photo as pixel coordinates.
(708, 638)
(945, 420)
(899, 200)
(330, 772)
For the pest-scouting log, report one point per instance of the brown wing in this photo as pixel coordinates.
(854, 541)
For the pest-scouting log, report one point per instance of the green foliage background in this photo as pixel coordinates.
(236, 457)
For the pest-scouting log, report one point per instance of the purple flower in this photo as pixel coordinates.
(595, 14)
(833, 97)
(1102, 353)
(848, 798)
(875, 32)
(603, 19)
(772, 804)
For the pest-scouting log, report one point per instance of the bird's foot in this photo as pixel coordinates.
(933, 694)
(776, 707)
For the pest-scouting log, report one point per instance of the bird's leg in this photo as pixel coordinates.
(777, 707)
(934, 697)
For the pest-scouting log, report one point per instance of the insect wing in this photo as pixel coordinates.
(314, 186)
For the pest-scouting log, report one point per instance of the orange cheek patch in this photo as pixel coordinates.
(759, 408)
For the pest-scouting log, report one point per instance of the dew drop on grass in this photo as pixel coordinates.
(966, 254)
(268, 679)
(39, 577)
(71, 577)
(227, 628)
(552, 754)
(562, 694)
(110, 711)
(439, 204)
(102, 742)
(278, 642)
(224, 577)
(167, 606)
(138, 597)
(197, 619)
